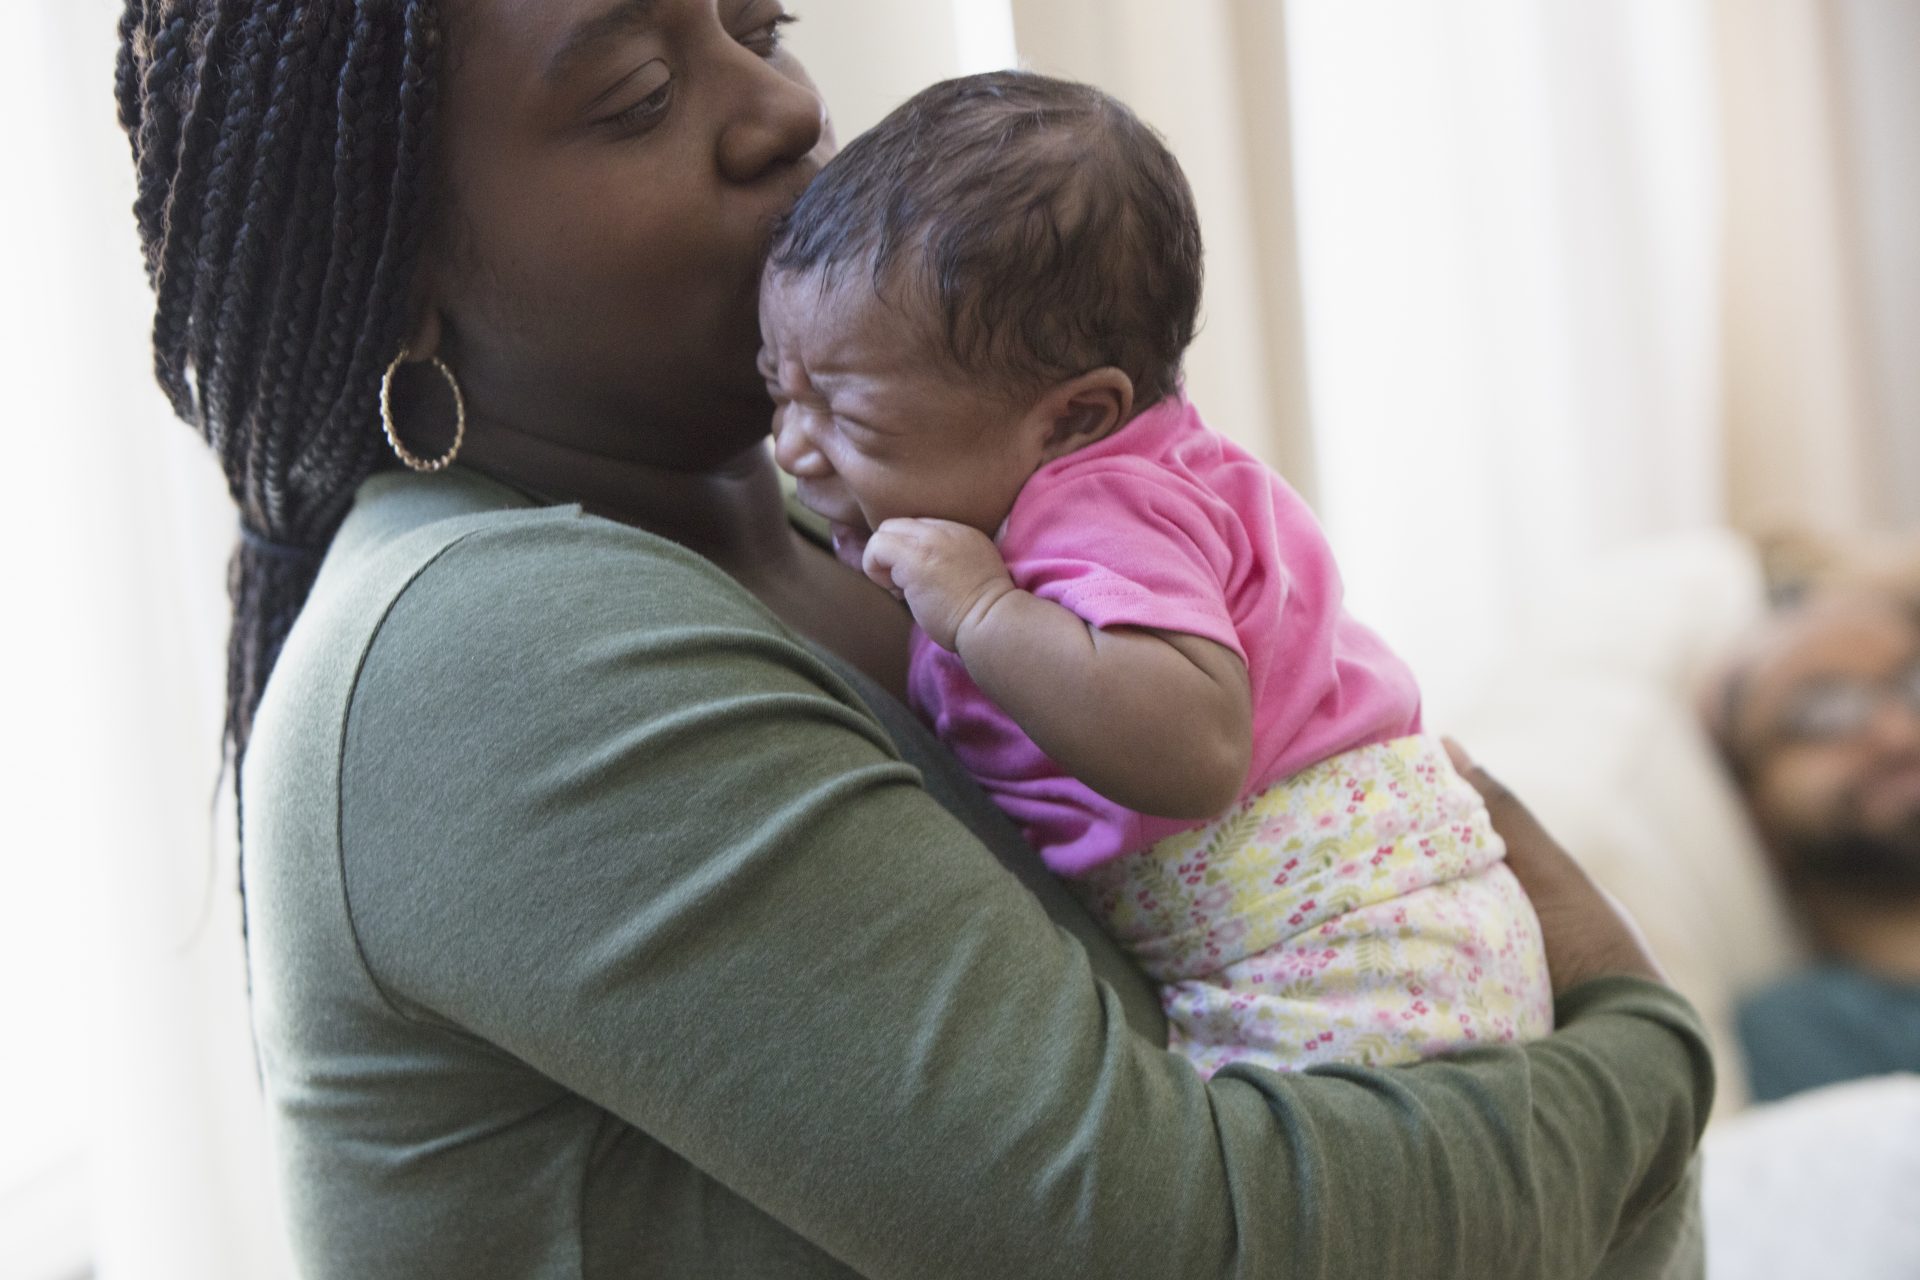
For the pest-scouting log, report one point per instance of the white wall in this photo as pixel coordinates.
(868, 56)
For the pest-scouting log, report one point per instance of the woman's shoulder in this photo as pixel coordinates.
(457, 562)
(463, 531)
(460, 589)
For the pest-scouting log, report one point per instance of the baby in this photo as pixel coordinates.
(1129, 630)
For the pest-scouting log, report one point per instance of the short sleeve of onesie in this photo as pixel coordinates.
(1176, 541)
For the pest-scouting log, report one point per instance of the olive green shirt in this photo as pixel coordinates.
(599, 928)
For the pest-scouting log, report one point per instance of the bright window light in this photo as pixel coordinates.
(983, 34)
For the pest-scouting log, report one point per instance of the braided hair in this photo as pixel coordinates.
(283, 156)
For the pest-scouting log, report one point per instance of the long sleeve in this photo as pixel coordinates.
(599, 814)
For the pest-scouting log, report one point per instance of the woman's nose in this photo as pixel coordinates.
(776, 125)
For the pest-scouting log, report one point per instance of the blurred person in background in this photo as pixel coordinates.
(1819, 719)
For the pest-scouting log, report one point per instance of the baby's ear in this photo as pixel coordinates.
(1084, 410)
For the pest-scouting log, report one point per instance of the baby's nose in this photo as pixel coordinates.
(793, 448)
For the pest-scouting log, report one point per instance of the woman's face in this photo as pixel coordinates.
(614, 168)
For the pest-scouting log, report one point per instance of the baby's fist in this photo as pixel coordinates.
(949, 574)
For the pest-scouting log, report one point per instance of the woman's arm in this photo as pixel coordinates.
(1157, 722)
(602, 813)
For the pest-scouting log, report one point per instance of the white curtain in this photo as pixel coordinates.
(1509, 224)
(1821, 111)
(1500, 283)
(1878, 79)
(130, 1108)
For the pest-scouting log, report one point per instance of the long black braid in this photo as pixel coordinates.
(284, 159)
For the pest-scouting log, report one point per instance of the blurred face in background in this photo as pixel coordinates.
(1825, 730)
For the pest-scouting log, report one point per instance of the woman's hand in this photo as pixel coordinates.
(1588, 934)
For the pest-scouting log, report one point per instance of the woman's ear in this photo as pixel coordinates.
(1082, 411)
(425, 334)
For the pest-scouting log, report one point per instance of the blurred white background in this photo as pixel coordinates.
(1497, 283)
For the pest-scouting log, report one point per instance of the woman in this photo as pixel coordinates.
(597, 927)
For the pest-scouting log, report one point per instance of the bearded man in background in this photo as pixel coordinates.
(1819, 720)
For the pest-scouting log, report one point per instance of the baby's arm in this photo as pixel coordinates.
(1157, 721)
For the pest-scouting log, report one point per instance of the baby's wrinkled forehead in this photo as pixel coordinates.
(820, 329)
(850, 294)
(816, 305)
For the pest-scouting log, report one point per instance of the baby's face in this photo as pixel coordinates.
(873, 422)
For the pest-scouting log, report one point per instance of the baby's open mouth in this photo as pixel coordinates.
(845, 521)
(850, 543)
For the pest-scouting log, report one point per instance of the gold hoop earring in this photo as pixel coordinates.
(412, 460)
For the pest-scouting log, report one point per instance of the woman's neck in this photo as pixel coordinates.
(735, 517)
(731, 513)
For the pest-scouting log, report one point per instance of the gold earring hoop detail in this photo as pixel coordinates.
(412, 460)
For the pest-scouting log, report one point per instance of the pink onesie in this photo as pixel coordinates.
(1353, 906)
(1166, 524)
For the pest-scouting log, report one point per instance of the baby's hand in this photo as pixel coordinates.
(949, 574)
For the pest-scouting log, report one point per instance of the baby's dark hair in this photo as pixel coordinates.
(1050, 227)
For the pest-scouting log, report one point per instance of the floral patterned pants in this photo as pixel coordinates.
(1359, 911)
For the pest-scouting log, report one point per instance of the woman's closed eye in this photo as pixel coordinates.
(768, 38)
(654, 83)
